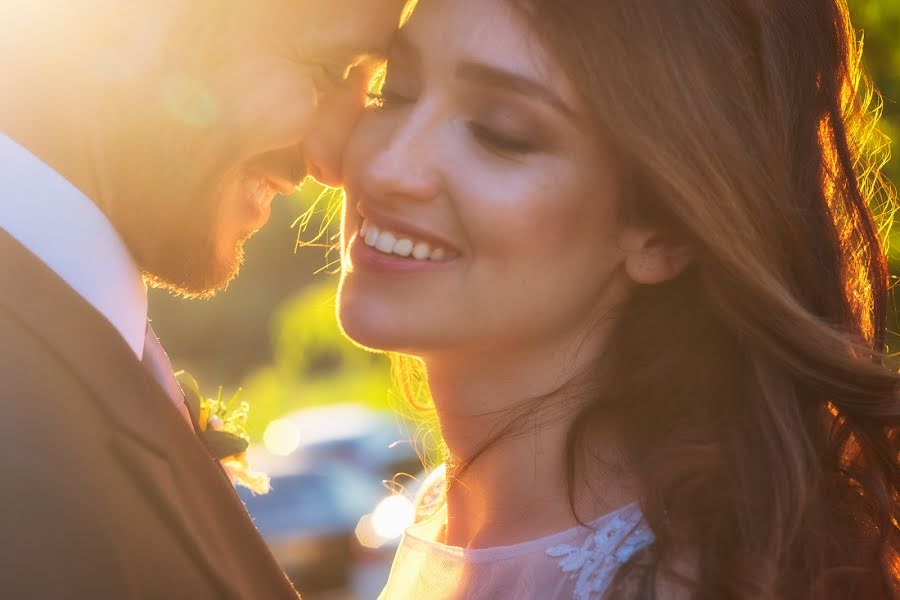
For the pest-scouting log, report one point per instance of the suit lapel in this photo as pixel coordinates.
(85, 340)
(159, 451)
(159, 484)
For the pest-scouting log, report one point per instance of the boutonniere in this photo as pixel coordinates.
(222, 426)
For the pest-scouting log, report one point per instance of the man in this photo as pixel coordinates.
(143, 142)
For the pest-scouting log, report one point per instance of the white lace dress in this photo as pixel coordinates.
(579, 563)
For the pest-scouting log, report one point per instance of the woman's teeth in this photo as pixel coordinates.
(388, 242)
(258, 192)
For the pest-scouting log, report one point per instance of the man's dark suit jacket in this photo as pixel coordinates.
(105, 493)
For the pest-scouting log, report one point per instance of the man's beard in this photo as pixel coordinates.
(174, 238)
(193, 271)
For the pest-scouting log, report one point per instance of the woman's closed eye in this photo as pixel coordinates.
(504, 133)
(500, 142)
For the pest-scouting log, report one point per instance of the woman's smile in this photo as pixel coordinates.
(386, 243)
(397, 244)
(385, 251)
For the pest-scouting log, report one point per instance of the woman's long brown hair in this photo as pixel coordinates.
(754, 397)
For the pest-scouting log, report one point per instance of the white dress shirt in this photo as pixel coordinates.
(57, 223)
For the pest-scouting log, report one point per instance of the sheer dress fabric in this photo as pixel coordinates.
(579, 563)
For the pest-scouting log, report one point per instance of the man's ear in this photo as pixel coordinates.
(652, 257)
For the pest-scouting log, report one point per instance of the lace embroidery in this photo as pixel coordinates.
(594, 564)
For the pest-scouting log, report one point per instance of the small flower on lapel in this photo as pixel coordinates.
(222, 427)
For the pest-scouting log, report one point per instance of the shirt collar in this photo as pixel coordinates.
(68, 232)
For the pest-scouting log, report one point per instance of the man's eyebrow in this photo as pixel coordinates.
(492, 76)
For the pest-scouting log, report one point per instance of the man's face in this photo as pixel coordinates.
(229, 110)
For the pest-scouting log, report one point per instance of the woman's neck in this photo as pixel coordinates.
(516, 488)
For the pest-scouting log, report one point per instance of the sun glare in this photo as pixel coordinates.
(392, 516)
(282, 437)
(387, 522)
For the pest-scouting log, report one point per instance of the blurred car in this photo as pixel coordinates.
(308, 520)
(374, 441)
(329, 466)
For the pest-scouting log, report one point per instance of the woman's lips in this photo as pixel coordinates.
(409, 247)
(400, 229)
(369, 252)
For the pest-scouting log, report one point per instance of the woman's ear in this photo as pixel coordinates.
(652, 257)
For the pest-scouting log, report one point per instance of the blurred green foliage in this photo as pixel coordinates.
(314, 364)
(879, 24)
(878, 21)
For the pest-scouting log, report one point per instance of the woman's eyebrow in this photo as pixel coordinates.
(489, 75)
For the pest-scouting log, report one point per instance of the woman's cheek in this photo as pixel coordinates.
(522, 211)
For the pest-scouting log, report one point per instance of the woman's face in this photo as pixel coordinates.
(481, 211)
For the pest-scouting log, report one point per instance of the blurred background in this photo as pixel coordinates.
(321, 414)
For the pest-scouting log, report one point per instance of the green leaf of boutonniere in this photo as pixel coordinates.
(193, 399)
(222, 444)
(221, 426)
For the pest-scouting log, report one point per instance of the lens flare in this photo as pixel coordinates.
(392, 516)
(281, 437)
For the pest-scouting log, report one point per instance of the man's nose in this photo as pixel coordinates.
(336, 118)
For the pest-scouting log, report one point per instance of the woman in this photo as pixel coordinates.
(629, 242)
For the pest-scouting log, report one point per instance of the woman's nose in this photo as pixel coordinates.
(406, 164)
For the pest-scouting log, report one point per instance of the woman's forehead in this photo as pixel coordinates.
(444, 33)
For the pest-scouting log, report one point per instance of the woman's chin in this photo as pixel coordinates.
(366, 329)
(379, 321)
